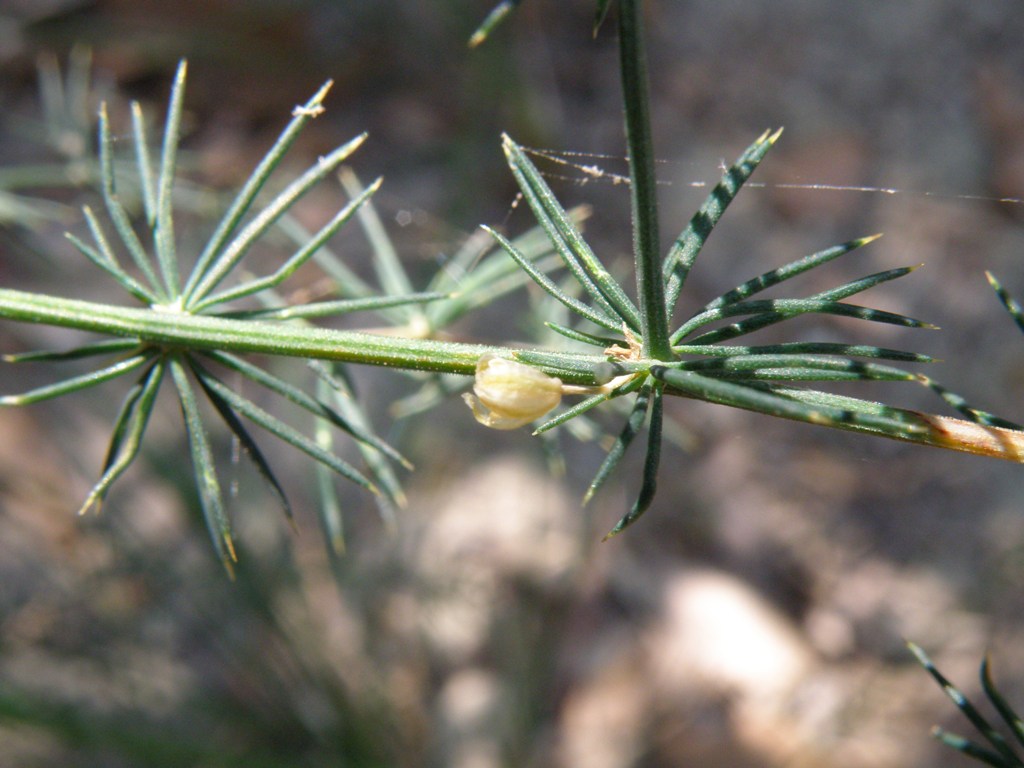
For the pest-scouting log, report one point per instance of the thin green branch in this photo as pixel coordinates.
(201, 332)
(643, 183)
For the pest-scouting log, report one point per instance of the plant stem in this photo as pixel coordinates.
(202, 332)
(643, 191)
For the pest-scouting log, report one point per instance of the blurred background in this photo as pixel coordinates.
(755, 617)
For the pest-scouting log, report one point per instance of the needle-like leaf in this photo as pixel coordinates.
(287, 269)
(284, 432)
(754, 366)
(107, 347)
(210, 497)
(494, 18)
(335, 379)
(476, 276)
(306, 401)
(649, 477)
(329, 506)
(588, 270)
(787, 271)
(769, 311)
(775, 404)
(1003, 756)
(77, 383)
(592, 314)
(1010, 717)
(586, 338)
(630, 430)
(960, 404)
(803, 347)
(601, 14)
(163, 232)
(394, 281)
(681, 257)
(128, 432)
(144, 163)
(252, 450)
(115, 209)
(236, 249)
(590, 402)
(1014, 308)
(243, 201)
(104, 259)
(334, 308)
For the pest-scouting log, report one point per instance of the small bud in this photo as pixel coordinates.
(510, 394)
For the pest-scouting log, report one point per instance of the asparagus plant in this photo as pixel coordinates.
(193, 318)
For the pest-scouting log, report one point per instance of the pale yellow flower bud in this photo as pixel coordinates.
(510, 394)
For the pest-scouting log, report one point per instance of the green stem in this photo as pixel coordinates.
(643, 190)
(202, 332)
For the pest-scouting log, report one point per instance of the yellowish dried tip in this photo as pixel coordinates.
(499, 12)
(322, 93)
(969, 437)
(869, 239)
(775, 136)
(507, 144)
(509, 394)
(400, 499)
(338, 545)
(92, 502)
